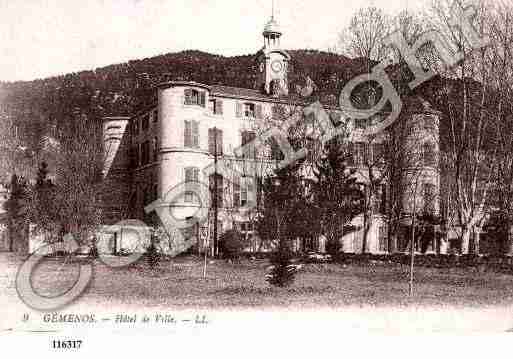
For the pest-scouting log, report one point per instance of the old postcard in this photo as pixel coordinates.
(208, 176)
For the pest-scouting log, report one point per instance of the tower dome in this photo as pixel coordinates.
(272, 27)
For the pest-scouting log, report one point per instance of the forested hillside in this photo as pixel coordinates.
(43, 104)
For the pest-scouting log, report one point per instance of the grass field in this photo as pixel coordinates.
(180, 284)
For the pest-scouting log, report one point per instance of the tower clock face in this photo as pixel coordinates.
(277, 66)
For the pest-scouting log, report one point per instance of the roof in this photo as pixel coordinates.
(238, 92)
(414, 103)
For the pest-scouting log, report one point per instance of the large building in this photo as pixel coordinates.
(173, 141)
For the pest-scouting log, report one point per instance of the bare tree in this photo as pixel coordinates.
(473, 106)
(363, 38)
(500, 57)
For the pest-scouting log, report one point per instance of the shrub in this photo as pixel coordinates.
(93, 252)
(152, 256)
(230, 244)
(282, 272)
(333, 247)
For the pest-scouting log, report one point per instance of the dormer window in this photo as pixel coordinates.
(249, 109)
(194, 97)
(215, 107)
(145, 122)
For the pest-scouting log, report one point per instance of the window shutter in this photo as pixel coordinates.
(188, 96)
(195, 133)
(155, 149)
(251, 190)
(211, 141)
(378, 152)
(239, 109)
(244, 192)
(350, 154)
(236, 192)
(191, 174)
(202, 99)
(187, 134)
(259, 111)
(219, 135)
(219, 107)
(248, 138)
(188, 174)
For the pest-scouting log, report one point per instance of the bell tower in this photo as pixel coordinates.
(273, 61)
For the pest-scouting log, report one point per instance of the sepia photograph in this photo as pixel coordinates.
(265, 171)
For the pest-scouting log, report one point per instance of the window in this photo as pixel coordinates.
(243, 195)
(429, 124)
(249, 110)
(134, 156)
(194, 97)
(243, 191)
(428, 190)
(276, 153)
(145, 153)
(378, 152)
(155, 149)
(428, 154)
(155, 192)
(155, 116)
(147, 196)
(245, 228)
(216, 107)
(248, 144)
(360, 123)
(191, 134)
(215, 139)
(217, 192)
(336, 118)
(136, 126)
(350, 154)
(236, 191)
(146, 122)
(360, 153)
(191, 175)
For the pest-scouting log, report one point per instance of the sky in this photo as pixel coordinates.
(41, 38)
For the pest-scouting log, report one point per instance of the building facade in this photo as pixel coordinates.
(193, 125)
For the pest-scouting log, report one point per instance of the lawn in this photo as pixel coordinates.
(179, 284)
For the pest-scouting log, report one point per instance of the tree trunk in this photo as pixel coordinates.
(465, 240)
(366, 230)
(509, 240)
(10, 233)
(477, 239)
(392, 238)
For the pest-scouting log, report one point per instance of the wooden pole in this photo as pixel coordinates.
(216, 214)
(412, 251)
(205, 248)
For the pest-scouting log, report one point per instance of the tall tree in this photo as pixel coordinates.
(73, 201)
(363, 38)
(16, 208)
(473, 100)
(336, 192)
